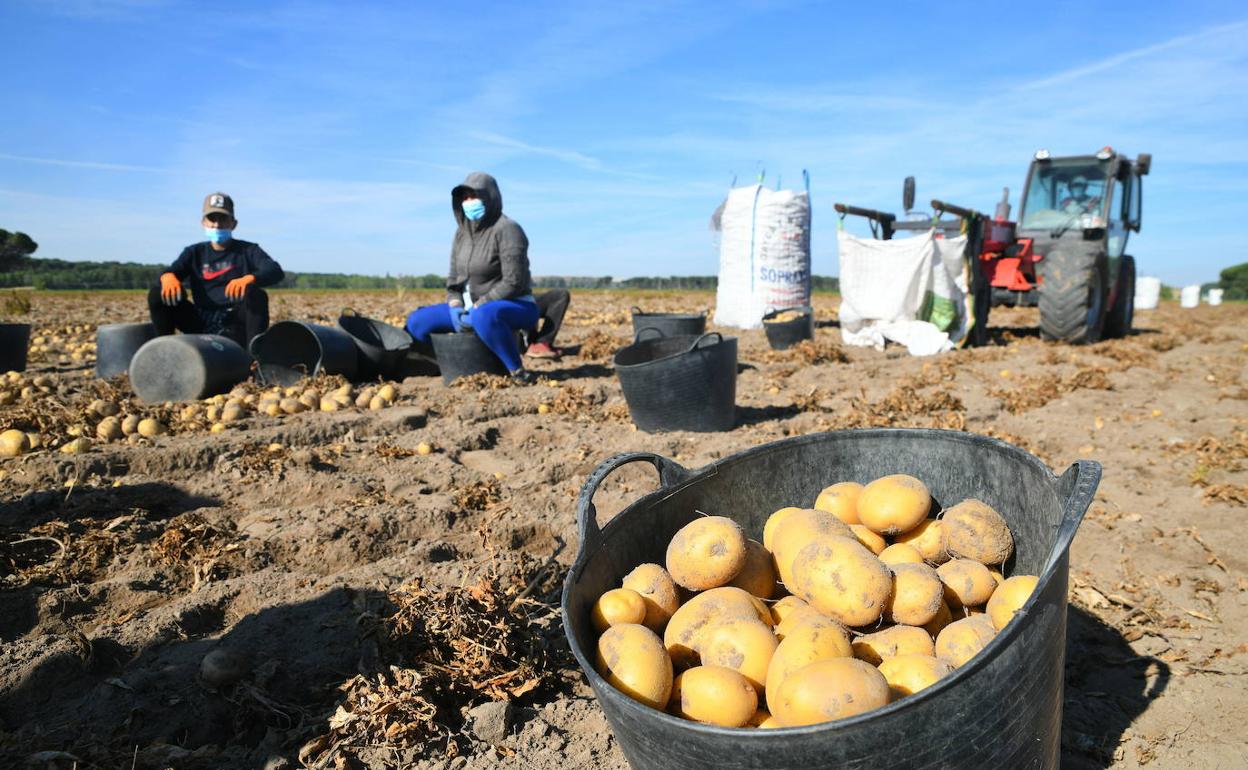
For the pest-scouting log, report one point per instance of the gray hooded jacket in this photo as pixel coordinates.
(489, 256)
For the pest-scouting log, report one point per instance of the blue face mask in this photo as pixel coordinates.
(218, 236)
(473, 209)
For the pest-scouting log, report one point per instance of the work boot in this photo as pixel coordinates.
(541, 350)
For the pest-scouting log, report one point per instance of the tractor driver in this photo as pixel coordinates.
(1079, 202)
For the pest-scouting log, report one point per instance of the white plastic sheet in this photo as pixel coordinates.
(1147, 292)
(1190, 296)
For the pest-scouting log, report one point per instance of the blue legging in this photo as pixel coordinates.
(494, 322)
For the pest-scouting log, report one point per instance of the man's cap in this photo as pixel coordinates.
(219, 203)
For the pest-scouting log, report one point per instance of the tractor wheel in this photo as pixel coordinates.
(1122, 312)
(1072, 297)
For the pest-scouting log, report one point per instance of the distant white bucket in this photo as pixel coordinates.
(1214, 297)
(1190, 296)
(1147, 293)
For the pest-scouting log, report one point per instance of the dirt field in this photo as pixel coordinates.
(245, 598)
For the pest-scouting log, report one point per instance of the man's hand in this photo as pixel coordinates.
(170, 289)
(236, 288)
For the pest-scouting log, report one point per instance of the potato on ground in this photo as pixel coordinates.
(658, 590)
(785, 607)
(682, 636)
(828, 690)
(706, 553)
(896, 640)
(841, 500)
(962, 639)
(817, 639)
(973, 530)
(619, 605)
(13, 443)
(714, 695)
(967, 583)
(758, 576)
(907, 674)
(632, 659)
(917, 595)
(1009, 597)
(928, 539)
(742, 644)
(901, 553)
(843, 580)
(773, 523)
(894, 504)
(796, 531)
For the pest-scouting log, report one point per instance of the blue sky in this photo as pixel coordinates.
(614, 129)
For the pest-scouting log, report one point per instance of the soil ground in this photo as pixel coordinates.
(283, 545)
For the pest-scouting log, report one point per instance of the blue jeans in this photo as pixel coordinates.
(496, 323)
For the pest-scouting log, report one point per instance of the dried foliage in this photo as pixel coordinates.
(483, 381)
(198, 551)
(810, 353)
(599, 345)
(1036, 390)
(59, 552)
(1235, 494)
(478, 496)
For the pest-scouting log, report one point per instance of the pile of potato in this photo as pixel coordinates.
(864, 599)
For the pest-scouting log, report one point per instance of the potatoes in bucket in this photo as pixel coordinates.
(706, 553)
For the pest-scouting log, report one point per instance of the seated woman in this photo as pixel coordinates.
(489, 257)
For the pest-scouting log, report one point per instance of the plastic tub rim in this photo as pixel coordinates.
(636, 311)
(697, 345)
(1087, 476)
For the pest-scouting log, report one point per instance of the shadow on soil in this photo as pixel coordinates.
(753, 415)
(1108, 686)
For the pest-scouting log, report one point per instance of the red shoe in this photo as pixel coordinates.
(541, 350)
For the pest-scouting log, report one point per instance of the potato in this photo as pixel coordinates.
(901, 553)
(761, 717)
(742, 644)
(894, 504)
(706, 553)
(632, 660)
(841, 500)
(917, 595)
(895, 640)
(388, 392)
(619, 605)
(758, 576)
(819, 638)
(770, 723)
(796, 531)
(379, 402)
(714, 695)
(973, 530)
(967, 583)
(329, 404)
(130, 424)
(874, 543)
(150, 427)
(943, 618)
(828, 690)
(907, 674)
(109, 429)
(996, 575)
(962, 639)
(13, 443)
(785, 607)
(1009, 597)
(365, 397)
(843, 580)
(928, 539)
(232, 413)
(682, 636)
(77, 446)
(657, 590)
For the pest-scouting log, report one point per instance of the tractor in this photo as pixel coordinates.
(1065, 254)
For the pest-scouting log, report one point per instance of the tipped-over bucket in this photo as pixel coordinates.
(463, 354)
(1001, 709)
(669, 324)
(116, 344)
(381, 346)
(14, 345)
(292, 350)
(187, 367)
(688, 382)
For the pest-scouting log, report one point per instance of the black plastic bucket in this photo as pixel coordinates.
(381, 346)
(670, 324)
(462, 354)
(116, 344)
(292, 350)
(680, 383)
(782, 335)
(187, 367)
(14, 345)
(1003, 709)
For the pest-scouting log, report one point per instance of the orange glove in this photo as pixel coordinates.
(170, 289)
(237, 287)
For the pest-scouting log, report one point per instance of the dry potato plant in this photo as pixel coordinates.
(599, 345)
(198, 551)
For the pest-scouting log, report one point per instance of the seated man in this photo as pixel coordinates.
(225, 276)
(552, 304)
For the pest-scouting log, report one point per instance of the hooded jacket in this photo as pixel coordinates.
(490, 256)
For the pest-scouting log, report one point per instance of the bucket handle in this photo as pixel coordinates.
(670, 473)
(637, 337)
(636, 310)
(1077, 489)
(698, 342)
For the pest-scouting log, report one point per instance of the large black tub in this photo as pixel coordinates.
(1003, 709)
(687, 382)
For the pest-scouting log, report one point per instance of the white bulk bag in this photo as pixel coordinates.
(764, 254)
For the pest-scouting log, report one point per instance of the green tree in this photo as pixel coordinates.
(14, 249)
(1235, 281)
